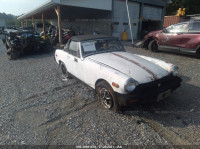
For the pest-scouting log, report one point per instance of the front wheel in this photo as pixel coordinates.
(64, 71)
(153, 46)
(12, 54)
(106, 96)
(198, 54)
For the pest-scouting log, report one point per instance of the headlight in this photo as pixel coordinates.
(130, 85)
(174, 70)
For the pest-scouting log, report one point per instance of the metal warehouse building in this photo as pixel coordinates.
(105, 16)
(2, 25)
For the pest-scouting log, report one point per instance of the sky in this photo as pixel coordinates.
(18, 7)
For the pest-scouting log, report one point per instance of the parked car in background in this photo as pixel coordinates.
(119, 78)
(180, 38)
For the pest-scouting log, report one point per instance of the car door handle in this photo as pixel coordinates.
(76, 60)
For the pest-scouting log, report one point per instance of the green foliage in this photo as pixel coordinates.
(10, 19)
(192, 7)
(7, 16)
(13, 23)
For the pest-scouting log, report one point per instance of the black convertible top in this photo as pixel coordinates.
(90, 37)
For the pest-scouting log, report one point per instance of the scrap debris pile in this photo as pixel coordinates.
(19, 42)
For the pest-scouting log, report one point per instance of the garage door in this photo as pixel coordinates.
(152, 13)
(121, 22)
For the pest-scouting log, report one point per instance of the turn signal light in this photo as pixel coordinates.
(115, 85)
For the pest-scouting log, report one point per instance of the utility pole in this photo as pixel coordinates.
(129, 21)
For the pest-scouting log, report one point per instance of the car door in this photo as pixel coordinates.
(190, 39)
(170, 38)
(72, 57)
(75, 63)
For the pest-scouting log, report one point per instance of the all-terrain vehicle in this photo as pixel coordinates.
(53, 35)
(19, 42)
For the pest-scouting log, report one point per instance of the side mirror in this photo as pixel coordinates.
(66, 49)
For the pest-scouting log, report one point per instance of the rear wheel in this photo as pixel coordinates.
(153, 46)
(106, 96)
(198, 54)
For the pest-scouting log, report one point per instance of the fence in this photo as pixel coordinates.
(169, 20)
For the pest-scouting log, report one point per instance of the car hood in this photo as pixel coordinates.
(155, 32)
(140, 69)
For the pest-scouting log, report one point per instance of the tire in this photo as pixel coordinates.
(146, 43)
(9, 55)
(153, 46)
(12, 54)
(104, 90)
(198, 54)
(64, 71)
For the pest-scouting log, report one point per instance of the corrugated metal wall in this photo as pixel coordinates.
(152, 13)
(2, 23)
(87, 26)
(155, 2)
(121, 22)
(94, 4)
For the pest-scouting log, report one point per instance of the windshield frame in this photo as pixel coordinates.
(98, 52)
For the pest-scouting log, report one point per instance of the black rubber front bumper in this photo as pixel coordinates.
(149, 92)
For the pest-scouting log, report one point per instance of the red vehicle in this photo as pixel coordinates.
(180, 38)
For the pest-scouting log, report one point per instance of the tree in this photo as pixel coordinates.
(192, 7)
(7, 16)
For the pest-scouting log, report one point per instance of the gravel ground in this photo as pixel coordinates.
(38, 108)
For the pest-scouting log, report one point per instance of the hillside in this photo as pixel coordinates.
(7, 16)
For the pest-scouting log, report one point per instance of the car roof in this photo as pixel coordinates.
(90, 37)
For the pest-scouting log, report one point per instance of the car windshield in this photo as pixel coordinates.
(181, 27)
(100, 46)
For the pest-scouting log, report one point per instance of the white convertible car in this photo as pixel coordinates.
(119, 78)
